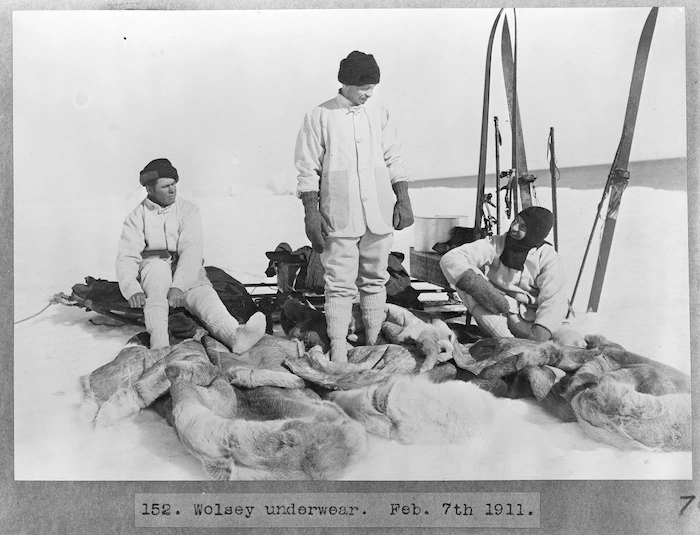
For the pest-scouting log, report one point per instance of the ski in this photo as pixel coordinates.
(481, 179)
(554, 172)
(521, 184)
(619, 174)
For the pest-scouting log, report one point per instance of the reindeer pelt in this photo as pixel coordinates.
(612, 411)
(264, 433)
(367, 365)
(617, 396)
(261, 365)
(414, 410)
(133, 380)
(630, 401)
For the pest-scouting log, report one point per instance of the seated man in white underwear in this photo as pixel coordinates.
(513, 284)
(159, 265)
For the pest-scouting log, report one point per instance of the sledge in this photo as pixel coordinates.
(104, 297)
(300, 273)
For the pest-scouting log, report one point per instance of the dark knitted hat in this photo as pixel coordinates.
(539, 222)
(160, 168)
(358, 69)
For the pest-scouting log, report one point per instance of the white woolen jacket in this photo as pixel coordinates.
(351, 155)
(150, 227)
(540, 284)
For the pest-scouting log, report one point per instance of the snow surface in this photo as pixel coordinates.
(645, 307)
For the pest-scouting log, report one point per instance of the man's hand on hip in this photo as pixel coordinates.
(138, 300)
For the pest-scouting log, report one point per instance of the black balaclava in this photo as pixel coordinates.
(539, 222)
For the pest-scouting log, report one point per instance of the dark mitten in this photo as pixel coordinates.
(316, 226)
(483, 292)
(403, 213)
(538, 333)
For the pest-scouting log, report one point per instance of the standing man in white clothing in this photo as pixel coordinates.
(159, 265)
(353, 183)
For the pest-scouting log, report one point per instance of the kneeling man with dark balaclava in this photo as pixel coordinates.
(513, 284)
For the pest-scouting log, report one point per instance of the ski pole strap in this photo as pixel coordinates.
(620, 174)
(509, 187)
(489, 219)
(619, 181)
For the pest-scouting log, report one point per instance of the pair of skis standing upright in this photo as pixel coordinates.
(521, 188)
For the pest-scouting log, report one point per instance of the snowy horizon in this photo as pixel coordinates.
(98, 94)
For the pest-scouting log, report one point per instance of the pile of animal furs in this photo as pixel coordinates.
(282, 410)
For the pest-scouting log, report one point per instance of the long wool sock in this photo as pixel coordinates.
(373, 314)
(223, 327)
(156, 319)
(492, 324)
(338, 311)
(238, 338)
(249, 333)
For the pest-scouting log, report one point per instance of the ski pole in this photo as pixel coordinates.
(553, 171)
(498, 175)
(590, 238)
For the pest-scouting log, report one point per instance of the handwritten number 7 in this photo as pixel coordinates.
(690, 500)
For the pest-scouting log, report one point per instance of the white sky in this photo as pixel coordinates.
(98, 94)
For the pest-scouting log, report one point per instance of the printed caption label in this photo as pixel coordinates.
(383, 510)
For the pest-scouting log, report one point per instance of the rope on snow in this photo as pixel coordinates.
(57, 298)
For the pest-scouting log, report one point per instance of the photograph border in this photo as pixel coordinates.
(566, 506)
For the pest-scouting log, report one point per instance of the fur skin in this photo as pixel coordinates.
(519, 368)
(414, 410)
(632, 401)
(617, 397)
(614, 411)
(365, 366)
(398, 390)
(265, 433)
(134, 379)
(430, 339)
(261, 365)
